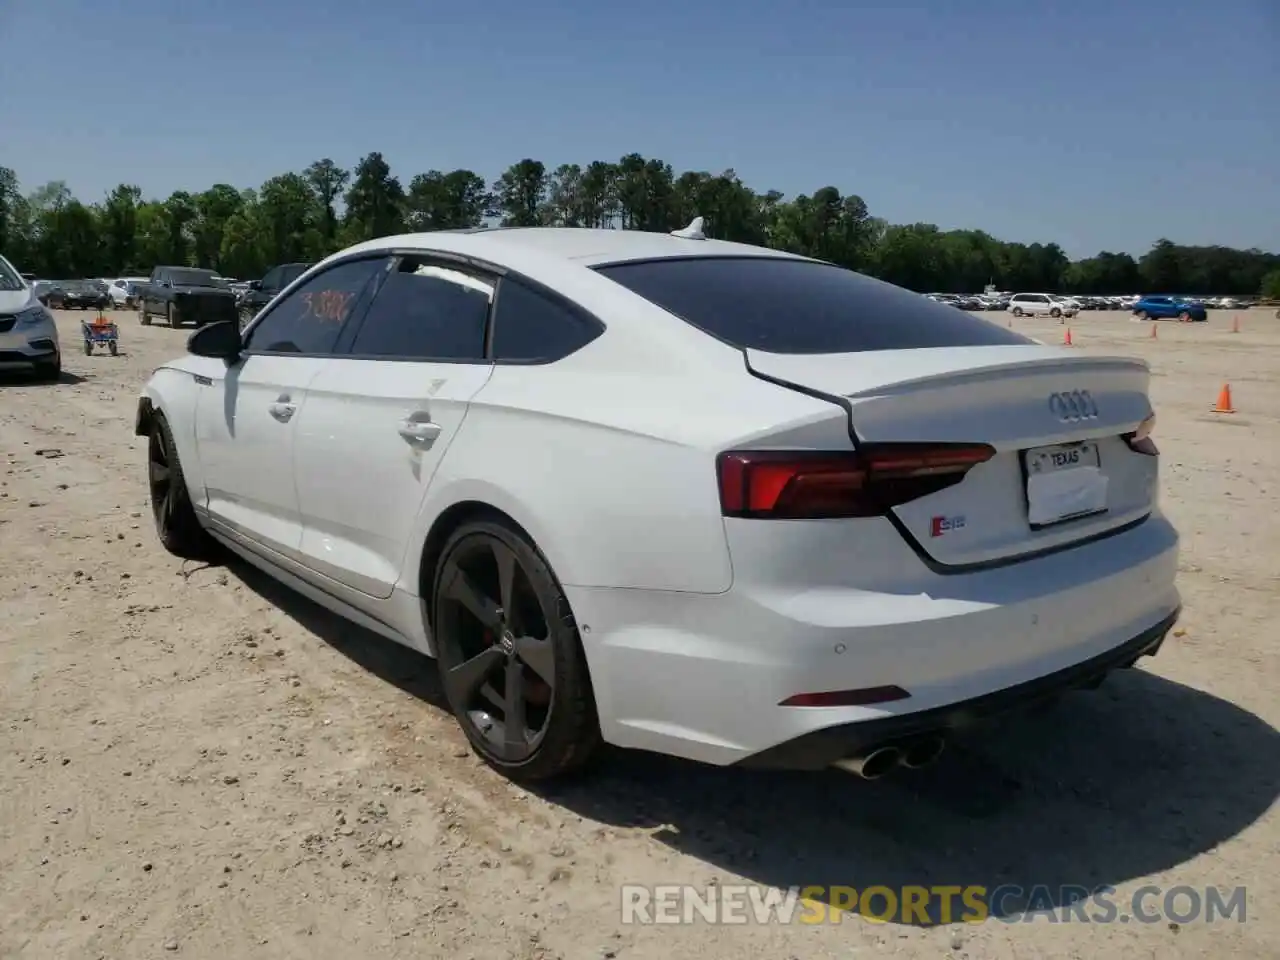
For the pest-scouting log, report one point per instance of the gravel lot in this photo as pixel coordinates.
(195, 761)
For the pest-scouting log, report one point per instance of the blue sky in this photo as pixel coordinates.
(1095, 124)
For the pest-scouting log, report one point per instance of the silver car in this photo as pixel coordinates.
(28, 335)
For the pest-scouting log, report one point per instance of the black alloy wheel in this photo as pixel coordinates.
(510, 658)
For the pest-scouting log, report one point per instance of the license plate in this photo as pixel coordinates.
(1064, 482)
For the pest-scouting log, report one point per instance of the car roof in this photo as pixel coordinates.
(582, 245)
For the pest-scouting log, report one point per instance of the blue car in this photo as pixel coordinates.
(1168, 308)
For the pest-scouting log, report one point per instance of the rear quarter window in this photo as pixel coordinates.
(781, 305)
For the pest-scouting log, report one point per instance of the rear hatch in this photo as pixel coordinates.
(1062, 470)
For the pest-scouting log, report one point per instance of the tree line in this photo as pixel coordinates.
(303, 216)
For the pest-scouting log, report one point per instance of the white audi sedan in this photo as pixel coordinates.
(676, 494)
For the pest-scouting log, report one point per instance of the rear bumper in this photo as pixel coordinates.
(824, 747)
(704, 676)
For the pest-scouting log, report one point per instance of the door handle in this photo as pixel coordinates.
(419, 433)
(283, 410)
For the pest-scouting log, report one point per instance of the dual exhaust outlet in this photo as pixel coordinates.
(914, 754)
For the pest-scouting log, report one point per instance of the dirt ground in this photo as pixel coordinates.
(194, 761)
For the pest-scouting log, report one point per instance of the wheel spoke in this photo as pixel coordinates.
(539, 655)
(466, 678)
(460, 588)
(490, 695)
(159, 473)
(506, 563)
(515, 739)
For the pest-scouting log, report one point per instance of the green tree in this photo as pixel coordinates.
(287, 213)
(446, 201)
(1271, 285)
(15, 219)
(327, 180)
(1161, 268)
(241, 253)
(520, 193)
(305, 215)
(179, 215)
(119, 224)
(375, 201)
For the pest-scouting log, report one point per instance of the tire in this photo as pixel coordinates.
(88, 348)
(113, 348)
(482, 654)
(1184, 317)
(1142, 315)
(177, 526)
(1055, 313)
(1017, 311)
(50, 371)
(144, 318)
(168, 315)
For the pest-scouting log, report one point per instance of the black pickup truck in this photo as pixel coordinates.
(261, 292)
(186, 295)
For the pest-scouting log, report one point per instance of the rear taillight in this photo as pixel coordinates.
(799, 485)
(1140, 440)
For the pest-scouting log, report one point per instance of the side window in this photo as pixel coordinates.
(272, 280)
(530, 327)
(426, 311)
(310, 319)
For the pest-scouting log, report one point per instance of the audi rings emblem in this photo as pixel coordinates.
(1073, 406)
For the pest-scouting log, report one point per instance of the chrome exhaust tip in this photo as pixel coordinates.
(874, 764)
(923, 752)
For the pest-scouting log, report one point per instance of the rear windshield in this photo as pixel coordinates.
(798, 306)
(194, 278)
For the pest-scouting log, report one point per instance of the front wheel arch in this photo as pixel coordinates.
(143, 420)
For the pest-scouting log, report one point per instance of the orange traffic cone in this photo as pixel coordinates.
(1224, 400)
(1154, 335)
(1235, 324)
(1066, 338)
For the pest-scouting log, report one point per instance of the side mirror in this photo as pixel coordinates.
(218, 340)
(255, 284)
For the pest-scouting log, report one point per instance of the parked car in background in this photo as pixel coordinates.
(261, 292)
(46, 290)
(1040, 305)
(28, 335)
(1161, 307)
(186, 295)
(123, 291)
(84, 295)
(429, 435)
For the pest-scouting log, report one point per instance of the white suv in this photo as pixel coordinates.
(1041, 304)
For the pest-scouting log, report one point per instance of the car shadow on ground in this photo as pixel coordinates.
(24, 378)
(1111, 785)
